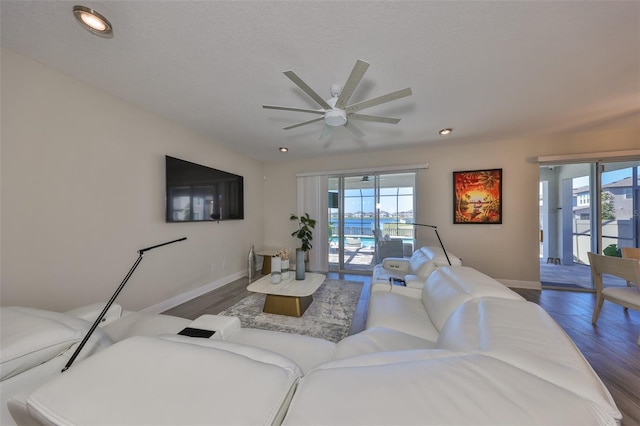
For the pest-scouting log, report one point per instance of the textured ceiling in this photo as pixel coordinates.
(487, 69)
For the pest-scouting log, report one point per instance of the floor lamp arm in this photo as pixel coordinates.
(113, 299)
(435, 228)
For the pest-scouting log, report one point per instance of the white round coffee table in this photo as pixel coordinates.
(289, 297)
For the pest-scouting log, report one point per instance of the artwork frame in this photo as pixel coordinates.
(477, 197)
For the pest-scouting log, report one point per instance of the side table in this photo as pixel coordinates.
(267, 254)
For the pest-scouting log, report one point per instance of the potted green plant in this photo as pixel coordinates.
(304, 231)
(305, 234)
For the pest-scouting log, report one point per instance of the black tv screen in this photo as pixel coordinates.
(196, 193)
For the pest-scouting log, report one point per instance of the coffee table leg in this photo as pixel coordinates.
(286, 305)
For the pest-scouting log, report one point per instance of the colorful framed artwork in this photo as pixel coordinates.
(477, 196)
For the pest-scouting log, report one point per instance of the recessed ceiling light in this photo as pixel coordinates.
(445, 131)
(283, 149)
(93, 22)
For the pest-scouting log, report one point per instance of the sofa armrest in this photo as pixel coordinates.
(381, 286)
(407, 291)
(396, 264)
(413, 293)
(414, 281)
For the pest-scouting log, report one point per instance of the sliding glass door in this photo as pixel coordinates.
(585, 207)
(620, 205)
(364, 211)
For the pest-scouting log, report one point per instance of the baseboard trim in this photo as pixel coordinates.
(530, 285)
(192, 294)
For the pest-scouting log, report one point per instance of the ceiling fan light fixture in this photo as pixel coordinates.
(335, 118)
(337, 111)
(446, 131)
(93, 21)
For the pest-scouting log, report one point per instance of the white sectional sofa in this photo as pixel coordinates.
(462, 350)
(413, 270)
(36, 344)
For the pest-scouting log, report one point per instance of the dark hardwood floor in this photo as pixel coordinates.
(610, 346)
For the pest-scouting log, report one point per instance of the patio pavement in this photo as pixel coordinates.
(576, 276)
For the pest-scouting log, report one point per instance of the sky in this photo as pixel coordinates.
(607, 177)
(387, 203)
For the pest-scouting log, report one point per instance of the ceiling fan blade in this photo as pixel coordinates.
(325, 132)
(312, 111)
(352, 82)
(374, 118)
(303, 123)
(306, 89)
(379, 100)
(354, 129)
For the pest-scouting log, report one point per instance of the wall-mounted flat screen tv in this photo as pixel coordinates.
(196, 193)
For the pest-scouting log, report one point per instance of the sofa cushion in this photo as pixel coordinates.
(522, 334)
(31, 337)
(170, 380)
(449, 287)
(434, 387)
(90, 313)
(400, 312)
(420, 265)
(144, 324)
(379, 339)
(306, 351)
(426, 259)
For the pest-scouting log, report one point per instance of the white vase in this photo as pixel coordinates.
(285, 269)
(276, 273)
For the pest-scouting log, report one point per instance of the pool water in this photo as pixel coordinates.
(365, 241)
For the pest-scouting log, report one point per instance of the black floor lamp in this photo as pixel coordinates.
(113, 298)
(435, 228)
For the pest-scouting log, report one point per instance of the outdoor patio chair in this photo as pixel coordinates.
(391, 248)
(627, 269)
(631, 253)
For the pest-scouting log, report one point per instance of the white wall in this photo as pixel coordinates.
(509, 251)
(83, 189)
(82, 179)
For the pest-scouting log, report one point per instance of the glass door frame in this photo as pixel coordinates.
(370, 238)
(566, 240)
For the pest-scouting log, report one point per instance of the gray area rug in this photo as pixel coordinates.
(328, 317)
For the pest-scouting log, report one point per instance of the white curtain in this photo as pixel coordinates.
(312, 199)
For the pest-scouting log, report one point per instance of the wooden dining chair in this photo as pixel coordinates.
(627, 269)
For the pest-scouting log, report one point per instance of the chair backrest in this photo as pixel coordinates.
(627, 269)
(391, 248)
(631, 252)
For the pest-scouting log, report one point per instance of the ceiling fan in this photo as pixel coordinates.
(336, 111)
